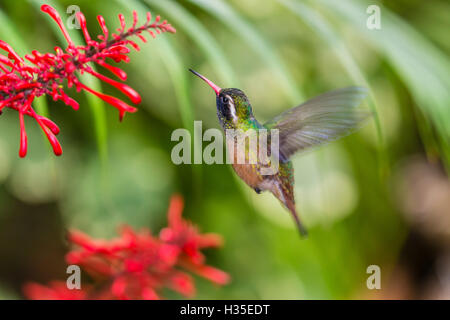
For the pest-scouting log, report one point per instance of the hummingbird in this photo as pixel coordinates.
(322, 119)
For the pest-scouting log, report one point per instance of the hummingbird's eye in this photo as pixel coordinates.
(224, 99)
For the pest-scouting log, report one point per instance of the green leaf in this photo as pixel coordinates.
(260, 45)
(178, 74)
(184, 20)
(422, 66)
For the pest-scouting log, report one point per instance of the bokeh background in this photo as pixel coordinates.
(381, 196)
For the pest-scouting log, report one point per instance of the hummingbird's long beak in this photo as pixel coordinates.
(215, 87)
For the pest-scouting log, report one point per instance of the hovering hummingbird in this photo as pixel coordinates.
(317, 121)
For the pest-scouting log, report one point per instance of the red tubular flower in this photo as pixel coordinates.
(20, 83)
(57, 290)
(137, 265)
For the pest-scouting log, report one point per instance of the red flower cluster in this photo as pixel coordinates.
(20, 83)
(138, 265)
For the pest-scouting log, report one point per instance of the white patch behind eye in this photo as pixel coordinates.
(232, 108)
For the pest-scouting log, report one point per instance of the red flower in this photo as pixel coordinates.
(21, 83)
(138, 265)
(185, 236)
(57, 290)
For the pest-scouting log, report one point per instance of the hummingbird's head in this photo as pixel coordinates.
(233, 106)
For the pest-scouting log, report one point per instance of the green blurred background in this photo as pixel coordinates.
(381, 196)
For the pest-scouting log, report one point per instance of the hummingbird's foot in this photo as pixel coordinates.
(257, 190)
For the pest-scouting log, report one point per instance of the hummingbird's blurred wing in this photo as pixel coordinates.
(327, 117)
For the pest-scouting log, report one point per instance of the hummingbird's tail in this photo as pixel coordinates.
(301, 228)
(286, 197)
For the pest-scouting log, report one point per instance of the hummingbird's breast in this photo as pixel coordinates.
(245, 157)
(246, 164)
(250, 174)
